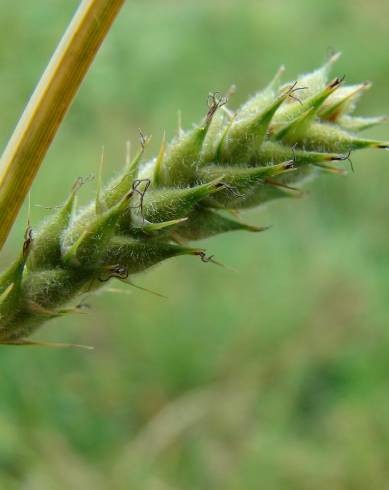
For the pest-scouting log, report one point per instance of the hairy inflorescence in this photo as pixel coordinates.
(191, 190)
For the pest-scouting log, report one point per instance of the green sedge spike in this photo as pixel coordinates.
(329, 137)
(168, 204)
(159, 161)
(234, 147)
(304, 161)
(272, 152)
(177, 166)
(153, 227)
(311, 104)
(204, 223)
(238, 181)
(47, 245)
(190, 191)
(264, 192)
(220, 123)
(315, 81)
(355, 123)
(123, 184)
(295, 128)
(127, 256)
(87, 249)
(343, 101)
(12, 299)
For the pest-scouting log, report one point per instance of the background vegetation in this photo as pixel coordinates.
(275, 377)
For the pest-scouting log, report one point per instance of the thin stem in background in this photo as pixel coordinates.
(49, 103)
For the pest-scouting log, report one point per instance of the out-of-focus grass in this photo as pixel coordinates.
(275, 377)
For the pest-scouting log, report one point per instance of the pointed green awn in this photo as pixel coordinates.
(231, 160)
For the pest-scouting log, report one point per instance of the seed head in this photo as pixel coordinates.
(230, 160)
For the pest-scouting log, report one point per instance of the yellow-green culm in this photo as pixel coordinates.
(231, 161)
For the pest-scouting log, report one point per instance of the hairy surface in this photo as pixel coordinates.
(191, 190)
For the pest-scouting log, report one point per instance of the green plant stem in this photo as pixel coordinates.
(49, 103)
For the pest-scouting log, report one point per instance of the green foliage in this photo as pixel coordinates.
(275, 377)
(230, 161)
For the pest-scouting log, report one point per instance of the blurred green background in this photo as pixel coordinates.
(275, 377)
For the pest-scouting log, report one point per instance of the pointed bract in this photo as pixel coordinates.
(192, 190)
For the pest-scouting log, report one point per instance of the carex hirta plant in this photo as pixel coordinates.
(193, 189)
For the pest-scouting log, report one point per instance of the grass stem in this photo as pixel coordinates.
(49, 103)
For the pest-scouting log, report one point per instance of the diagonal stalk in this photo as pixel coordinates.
(49, 103)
